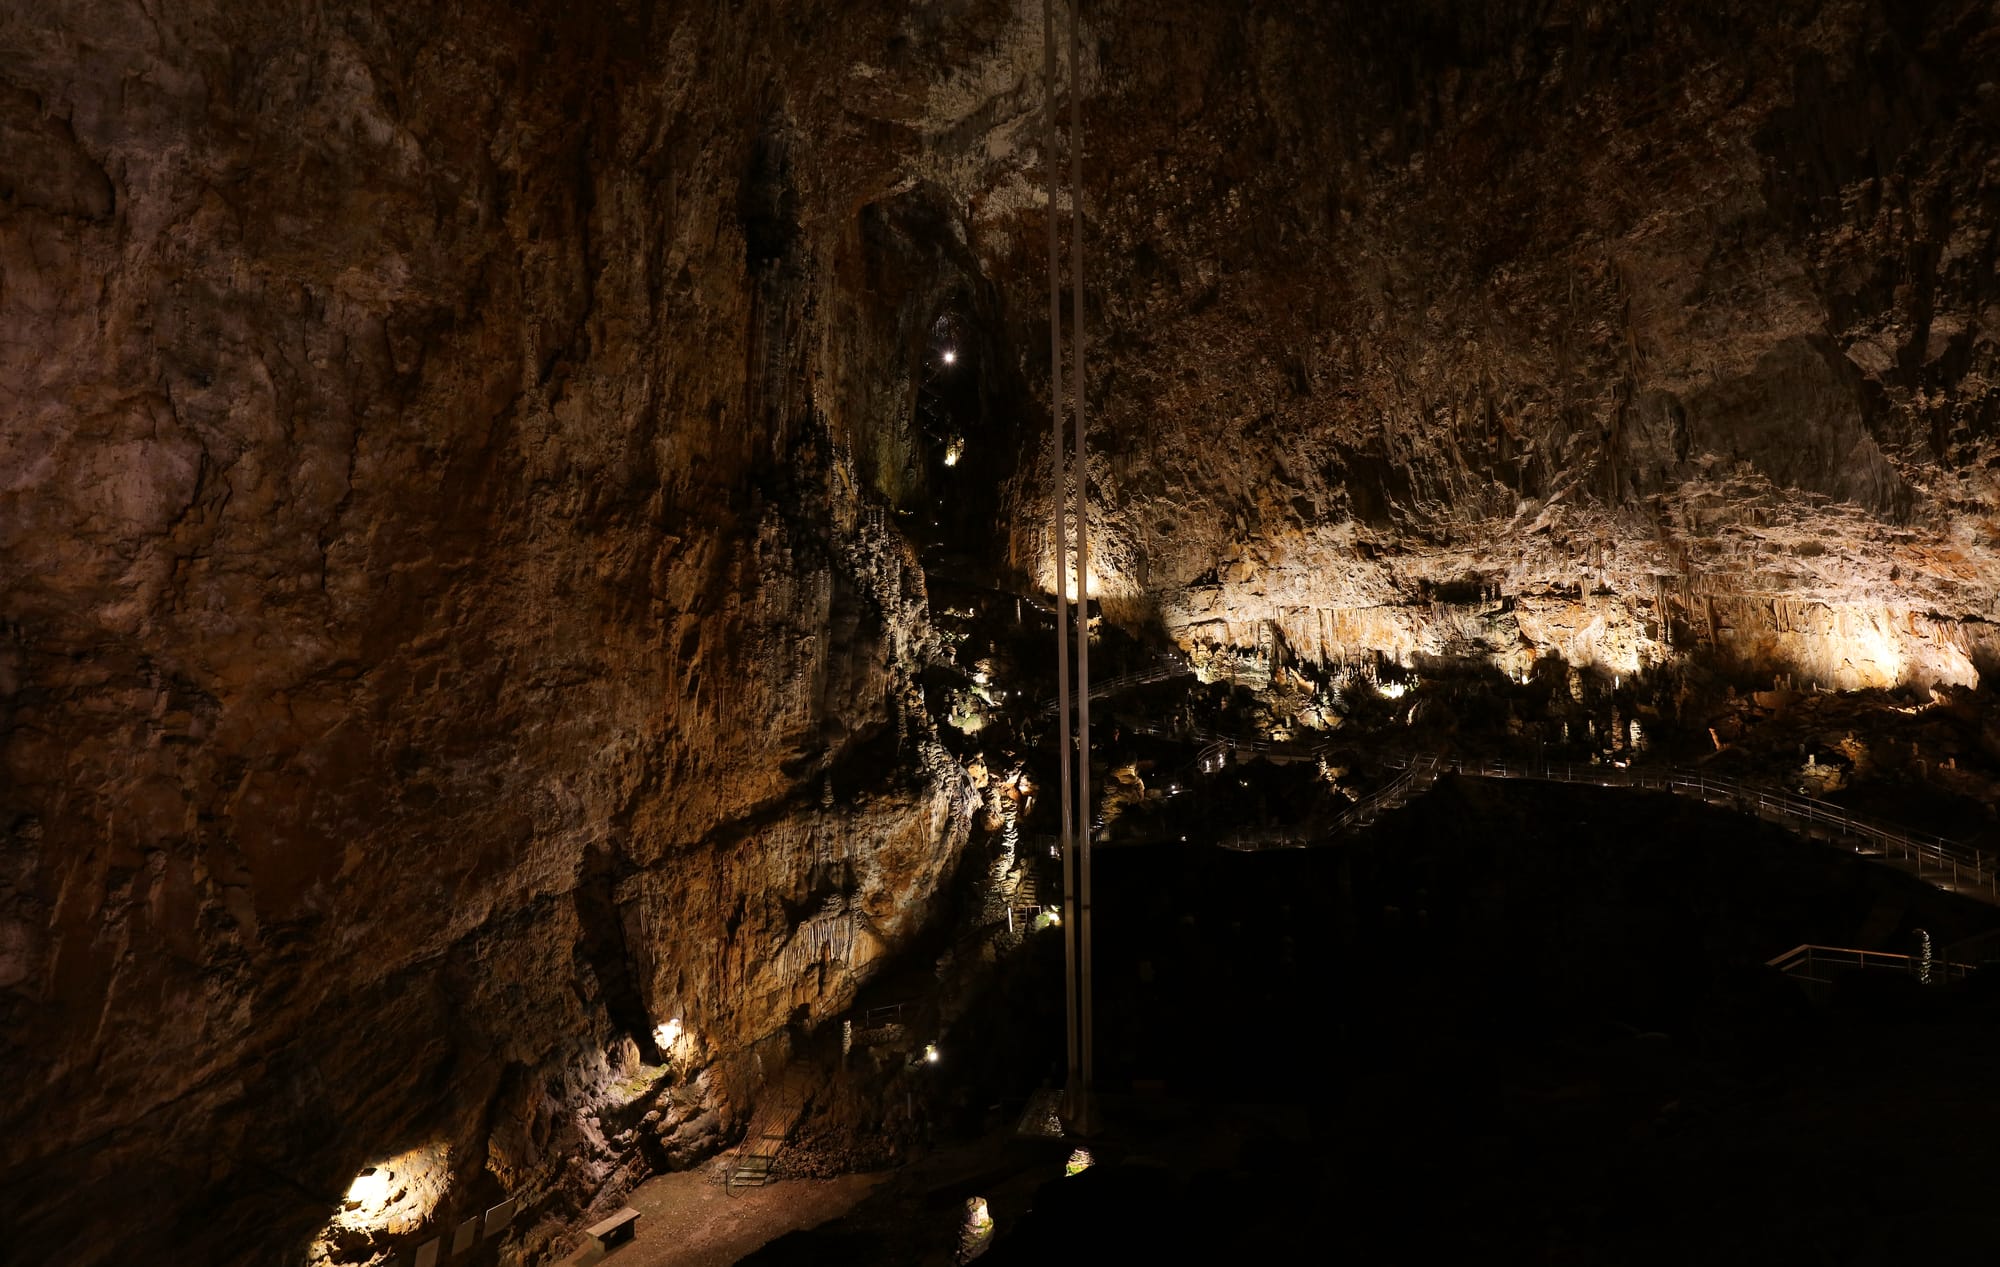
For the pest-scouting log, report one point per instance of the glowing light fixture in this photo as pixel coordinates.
(950, 356)
(953, 452)
(930, 1053)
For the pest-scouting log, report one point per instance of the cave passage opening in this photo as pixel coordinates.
(966, 416)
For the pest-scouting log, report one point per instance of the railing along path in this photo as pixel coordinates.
(1165, 670)
(1948, 863)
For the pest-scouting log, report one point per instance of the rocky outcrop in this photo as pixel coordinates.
(1690, 310)
(452, 620)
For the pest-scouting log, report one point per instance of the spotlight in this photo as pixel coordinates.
(950, 357)
(930, 1053)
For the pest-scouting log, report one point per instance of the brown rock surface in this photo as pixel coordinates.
(1692, 305)
(436, 586)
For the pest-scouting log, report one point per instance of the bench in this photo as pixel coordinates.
(616, 1230)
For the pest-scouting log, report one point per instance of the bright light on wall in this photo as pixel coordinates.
(1103, 575)
(930, 1053)
(396, 1195)
(1070, 584)
(669, 1034)
(1079, 1161)
(370, 1190)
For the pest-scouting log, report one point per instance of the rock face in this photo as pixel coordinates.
(449, 622)
(454, 616)
(1675, 324)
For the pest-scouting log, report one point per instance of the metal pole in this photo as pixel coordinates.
(1058, 496)
(1077, 403)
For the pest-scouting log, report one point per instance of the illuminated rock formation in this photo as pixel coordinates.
(1694, 314)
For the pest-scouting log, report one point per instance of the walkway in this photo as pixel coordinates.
(1165, 669)
(1817, 967)
(771, 1123)
(1938, 860)
(686, 1219)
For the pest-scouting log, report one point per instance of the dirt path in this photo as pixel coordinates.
(687, 1221)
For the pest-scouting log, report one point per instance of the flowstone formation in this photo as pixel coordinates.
(1673, 325)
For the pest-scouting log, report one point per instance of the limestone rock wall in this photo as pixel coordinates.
(1695, 304)
(450, 614)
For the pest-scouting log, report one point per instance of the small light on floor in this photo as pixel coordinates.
(930, 1053)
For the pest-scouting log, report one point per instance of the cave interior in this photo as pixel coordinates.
(534, 541)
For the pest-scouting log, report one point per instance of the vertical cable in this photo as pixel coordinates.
(1058, 496)
(1082, 539)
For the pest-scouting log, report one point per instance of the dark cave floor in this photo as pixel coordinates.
(1528, 1024)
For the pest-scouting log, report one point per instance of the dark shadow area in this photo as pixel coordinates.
(1525, 1024)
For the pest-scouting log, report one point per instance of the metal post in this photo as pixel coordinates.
(1086, 1108)
(1058, 498)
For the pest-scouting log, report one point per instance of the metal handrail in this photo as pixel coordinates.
(1799, 962)
(886, 1014)
(1167, 669)
(1967, 866)
(1971, 870)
